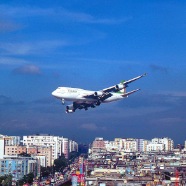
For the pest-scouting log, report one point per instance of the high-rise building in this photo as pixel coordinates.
(2, 147)
(65, 146)
(58, 144)
(129, 145)
(12, 140)
(98, 145)
(73, 146)
(167, 142)
(140, 145)
(19, 166)
(44, 140)
(8, 141)
(155, 147)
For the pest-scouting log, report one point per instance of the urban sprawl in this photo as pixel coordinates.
(54, 160)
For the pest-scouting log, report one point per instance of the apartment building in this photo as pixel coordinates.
(168, 144)
(73, 146)
(45, 140)
(98, 145)
(40, 151)
(12, 140)
(8, 141)
(14, 150)
(19, 166)
(129, 145)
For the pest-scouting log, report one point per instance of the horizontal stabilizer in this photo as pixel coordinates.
(131, 92)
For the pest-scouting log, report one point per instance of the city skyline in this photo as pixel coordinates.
(93, 45)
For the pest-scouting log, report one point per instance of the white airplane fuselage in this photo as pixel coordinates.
(76, 94)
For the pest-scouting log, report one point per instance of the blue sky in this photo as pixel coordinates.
(92, 45)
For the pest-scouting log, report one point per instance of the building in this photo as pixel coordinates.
(8, 141)
(98, 145)
(14, 150)
(58, 144)
(19, 166)
(2, 147)
(39, 151)
(155, 147)
(140, 145)
(167, 142)
(33, 151)
(64, 146)
(129, 145)
(73, 146)
(44, 140)
(118, 143)
(12, 140)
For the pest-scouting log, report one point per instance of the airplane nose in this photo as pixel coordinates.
(53, 93)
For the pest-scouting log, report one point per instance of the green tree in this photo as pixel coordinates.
(24, 154)
(6, 180)
(60, 163)
(73, 155)
(46, 171)
(26, 179)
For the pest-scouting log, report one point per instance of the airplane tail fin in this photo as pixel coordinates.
(128, 93)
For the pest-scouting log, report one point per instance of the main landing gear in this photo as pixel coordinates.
(63, 101)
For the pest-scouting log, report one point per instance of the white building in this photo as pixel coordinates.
(7, 141)
(155, 147)
(167, 142)
(129, 145)
(12, 140)
(145, 143)
(64, 146)
(45, 140)
(73, 146)
(111, 146)
(41, 160)
(2, 147)
(59, 144)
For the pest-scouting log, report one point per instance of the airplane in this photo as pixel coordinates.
(83, 99)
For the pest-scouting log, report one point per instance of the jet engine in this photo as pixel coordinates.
(70, 109)
(98, 93)
(119, 87)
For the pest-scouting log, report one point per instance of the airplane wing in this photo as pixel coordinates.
(122, 85)
(93, 96)
(99, 96)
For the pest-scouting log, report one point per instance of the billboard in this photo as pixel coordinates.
(78, 179)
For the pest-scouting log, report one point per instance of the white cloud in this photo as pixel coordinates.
(91, 127)
(59, 12)
(8, 26)
(26, 48)
(28, 69)
(11, 61)
(174, 93)
(168, 120)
